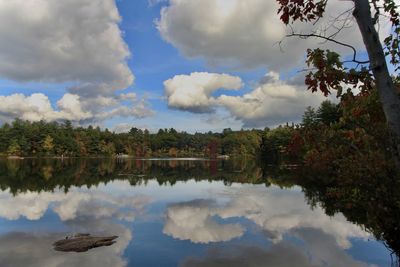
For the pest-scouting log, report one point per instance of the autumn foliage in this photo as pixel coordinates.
(354, 146)
(292, 10)
(330, 73)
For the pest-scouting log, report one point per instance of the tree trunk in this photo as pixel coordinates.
(386, 90)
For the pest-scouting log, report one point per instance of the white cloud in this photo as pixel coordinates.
(72, 107)
(270, 103)
(63, 41)
(193, 221)
(139, 110)
(193, 92)
(245, 33)
(38, 107)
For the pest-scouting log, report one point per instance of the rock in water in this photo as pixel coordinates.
(83, 242)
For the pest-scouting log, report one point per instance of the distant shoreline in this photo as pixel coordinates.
(116, 157)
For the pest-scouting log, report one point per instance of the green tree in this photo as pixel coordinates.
(106, 148)
(328, 112)
(14, 148)
(275, 142)
(44, 138)
(48, 144)
(309, 117)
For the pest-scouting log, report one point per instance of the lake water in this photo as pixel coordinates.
(170, 213)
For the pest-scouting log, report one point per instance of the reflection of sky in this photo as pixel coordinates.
(77, 211)
(188, 224)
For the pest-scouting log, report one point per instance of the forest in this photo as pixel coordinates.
(53, 139)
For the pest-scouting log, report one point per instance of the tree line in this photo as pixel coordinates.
(61, 139)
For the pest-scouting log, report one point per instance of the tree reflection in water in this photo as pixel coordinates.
(372, 203)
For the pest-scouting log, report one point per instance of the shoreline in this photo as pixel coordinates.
(120, 158)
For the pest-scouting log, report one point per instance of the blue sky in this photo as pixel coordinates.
(192, 65)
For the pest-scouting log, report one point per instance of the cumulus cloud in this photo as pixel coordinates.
(245, 33)
(63, 41)
(193, 221)
(72, 107)
(271, 102)
(194, 92)
(38, 107)
(139, 110)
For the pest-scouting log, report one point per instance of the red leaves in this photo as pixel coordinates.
(331, 75)
(285, 17)
(300, 10)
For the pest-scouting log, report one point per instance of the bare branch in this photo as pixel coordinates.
(306, 36)
(345, 22)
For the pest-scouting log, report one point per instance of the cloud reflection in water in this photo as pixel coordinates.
(81, 211)
(282, 215)
(193, 221)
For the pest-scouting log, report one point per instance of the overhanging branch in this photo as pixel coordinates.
(305, 36)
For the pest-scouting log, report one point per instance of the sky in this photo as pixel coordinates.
(192, 65)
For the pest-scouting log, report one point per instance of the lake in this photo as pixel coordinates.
(171, 213)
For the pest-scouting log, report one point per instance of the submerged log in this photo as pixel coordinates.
(83, 242)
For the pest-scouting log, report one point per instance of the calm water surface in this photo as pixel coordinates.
(170, 213)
